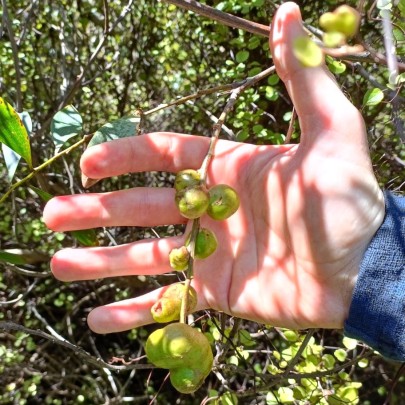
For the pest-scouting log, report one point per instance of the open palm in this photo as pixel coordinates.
(289, 256)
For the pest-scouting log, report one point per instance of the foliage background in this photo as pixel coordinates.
(154, 55)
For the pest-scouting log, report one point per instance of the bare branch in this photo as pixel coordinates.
(79, 351)
(14, 49)
(224, 18)
(264, 30)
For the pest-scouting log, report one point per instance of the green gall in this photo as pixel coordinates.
(183, 350)
(223, 202)
(167, 308)
(178, 258)
(187, 178)
(344, 19)
(205, 245)
(192, 202)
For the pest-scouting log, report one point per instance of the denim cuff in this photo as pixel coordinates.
(377, 311)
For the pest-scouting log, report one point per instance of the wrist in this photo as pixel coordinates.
(377, 312)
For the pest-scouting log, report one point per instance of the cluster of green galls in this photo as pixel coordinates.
(178, 347)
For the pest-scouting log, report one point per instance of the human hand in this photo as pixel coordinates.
(291, 253)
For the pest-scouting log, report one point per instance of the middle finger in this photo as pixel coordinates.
(134, 207)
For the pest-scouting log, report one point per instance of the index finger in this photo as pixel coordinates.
(160, 151)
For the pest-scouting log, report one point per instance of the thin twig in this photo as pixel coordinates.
(251, 81)
(392, 64)
(199, 93)
(220, 358)
(79, 351)
(20, 296)
(264, 30)
(300, 350)
(190, 269)
(222, 17)
(76, 85)
(291, 126)
(37, 169)
(14, 50)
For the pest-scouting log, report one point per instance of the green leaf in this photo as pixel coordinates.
(245, 338)
(271, 399)
(254, 42)
(307, 52)
(242, 56)
(11, 159)
(373, 97)
(349, 343)
(340, 354)
(86, 237)
(291, 335)
(337, 67)
(12, 258)
(121, 128)
(273, 80)
(13, 132)
(41, 193)
(229, 398)
(286, 395)
(66, 124)
(242, 135)
(328, 361)
(384, 4)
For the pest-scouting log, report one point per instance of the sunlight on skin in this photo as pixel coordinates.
(289, 256)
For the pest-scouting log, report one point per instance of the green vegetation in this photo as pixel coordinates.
(71, 69)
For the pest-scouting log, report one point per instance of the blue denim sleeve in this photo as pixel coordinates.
(377, 311)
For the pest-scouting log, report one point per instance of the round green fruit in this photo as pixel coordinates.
(223, 202)
(187, 178)
(178, 345)
(344, 19)
(179, 258)
(192, 202)
(205, 245)
(167, 308)
(187, 380)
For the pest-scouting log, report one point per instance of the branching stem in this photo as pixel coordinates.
(251, 81)
(37, 169)
(237, 90)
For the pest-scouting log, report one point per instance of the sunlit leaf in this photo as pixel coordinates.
(349, 343)
(229, 398)
(307, 52)
(337, 67)
(12, 258)
(66, 124)
(41, 193)
(242, 56)
(11, 159)
(373, 97)
(291, 335)
(86, 237)
(340, 354)
(26, 119)
(286, 395)
(384, 4)
(271, 399)
(13, 132)
(121, 128)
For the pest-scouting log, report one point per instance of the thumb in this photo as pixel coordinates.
(320, 104)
